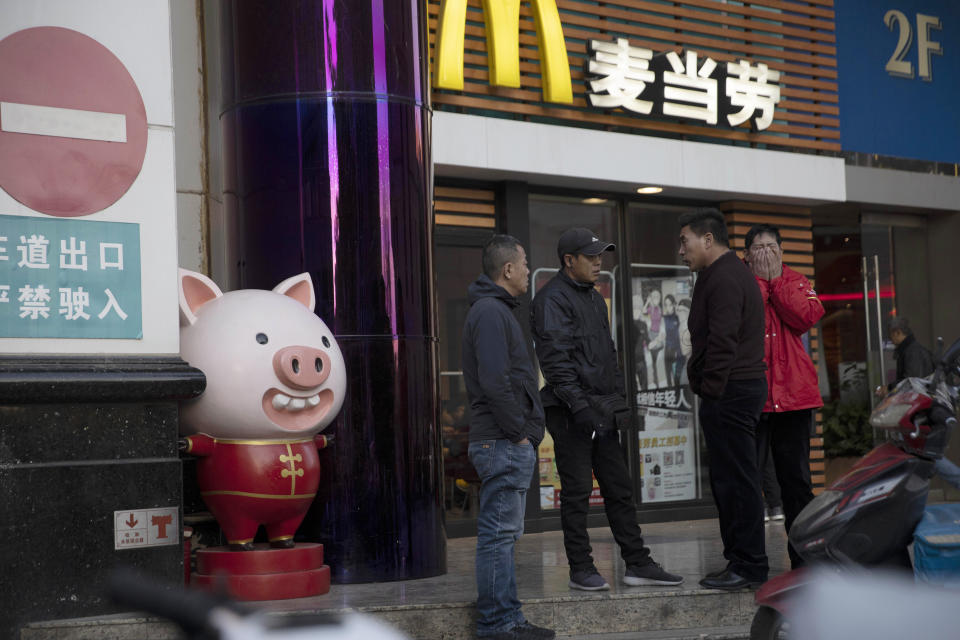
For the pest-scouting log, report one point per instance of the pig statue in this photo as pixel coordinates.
(275, 379)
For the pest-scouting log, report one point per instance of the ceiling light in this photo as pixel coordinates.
(594, 200)
(649, 190)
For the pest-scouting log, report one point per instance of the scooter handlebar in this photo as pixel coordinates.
(189, 609)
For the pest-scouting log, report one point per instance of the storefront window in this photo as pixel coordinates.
(648, 318)
(661, 288)
(457, 267)
(549, 217)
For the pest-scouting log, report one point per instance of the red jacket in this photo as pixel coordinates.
(792, 308)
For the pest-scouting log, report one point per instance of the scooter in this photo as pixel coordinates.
(867, 517)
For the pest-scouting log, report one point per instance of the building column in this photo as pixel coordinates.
(327, 169)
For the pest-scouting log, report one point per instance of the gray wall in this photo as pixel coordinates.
(943, 247)
(190, 137)
(913, 282)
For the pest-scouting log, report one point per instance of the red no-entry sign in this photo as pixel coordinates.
(73, 129)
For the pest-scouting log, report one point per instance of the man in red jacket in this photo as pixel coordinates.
(792, 308)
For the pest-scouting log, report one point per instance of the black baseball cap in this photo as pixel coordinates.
(580, 240)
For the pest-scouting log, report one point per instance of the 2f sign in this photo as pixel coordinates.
(896, 65)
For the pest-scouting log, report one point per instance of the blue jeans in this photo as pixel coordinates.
(948, 471)
(505, 470)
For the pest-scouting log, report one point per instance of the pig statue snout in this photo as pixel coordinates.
(301, 367)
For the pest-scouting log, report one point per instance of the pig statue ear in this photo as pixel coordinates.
(196, 290)
(300, 288)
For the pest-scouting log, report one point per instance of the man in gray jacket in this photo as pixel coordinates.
(506, 426)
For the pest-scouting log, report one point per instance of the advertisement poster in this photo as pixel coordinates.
(661, 306)
(667, 465)
(665, 403)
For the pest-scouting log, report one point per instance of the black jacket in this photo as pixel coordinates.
(572, 336)
(726, 326)
(497, 371)
(913, 359)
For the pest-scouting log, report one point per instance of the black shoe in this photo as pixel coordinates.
(729, 581)
(649, 574)
(718, 572)
(524, 631)
(587, 580)
(527, 631)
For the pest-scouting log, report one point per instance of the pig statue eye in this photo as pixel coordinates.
(326, 342)
(262, 338)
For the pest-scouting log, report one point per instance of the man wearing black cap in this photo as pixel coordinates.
(584, 401)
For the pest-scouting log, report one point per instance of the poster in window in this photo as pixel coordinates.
(667, 440)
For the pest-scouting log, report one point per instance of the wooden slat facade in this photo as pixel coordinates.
(796, 229)
(795, 38)
(457, 207)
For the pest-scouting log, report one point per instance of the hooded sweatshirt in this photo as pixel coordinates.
(500, 381)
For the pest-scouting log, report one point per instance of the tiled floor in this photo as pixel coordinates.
(443, 607)
(690, 548)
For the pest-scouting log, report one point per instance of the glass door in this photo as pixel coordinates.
(860, 258)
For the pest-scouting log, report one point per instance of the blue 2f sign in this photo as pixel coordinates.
(898, 66)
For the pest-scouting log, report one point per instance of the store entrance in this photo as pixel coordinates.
(870, 268)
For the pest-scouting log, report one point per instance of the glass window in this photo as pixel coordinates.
(670, 465)
(457, 267)
(549, 217)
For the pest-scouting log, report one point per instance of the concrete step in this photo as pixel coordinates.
(641, 614)
(704, 633)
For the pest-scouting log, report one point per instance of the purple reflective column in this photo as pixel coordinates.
(326, 132)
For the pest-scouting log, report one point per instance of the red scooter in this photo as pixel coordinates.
(867, 517)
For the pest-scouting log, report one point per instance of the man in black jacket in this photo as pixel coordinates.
(727, 370)
(913, 359)
(584, 397)
(506, 425)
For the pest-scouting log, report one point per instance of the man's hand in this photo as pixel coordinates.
(587, 418)
(775, 268)
(766, 263)
(524, 441)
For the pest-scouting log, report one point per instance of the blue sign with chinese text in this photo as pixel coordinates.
(899, 77)
(62, 278)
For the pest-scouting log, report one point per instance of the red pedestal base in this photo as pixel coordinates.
(265, 573)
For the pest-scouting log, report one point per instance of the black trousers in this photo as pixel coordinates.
(771, 488)
(577, 455)
(785, 437)
(729, 428)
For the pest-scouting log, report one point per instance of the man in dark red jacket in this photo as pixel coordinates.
(792, 308)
